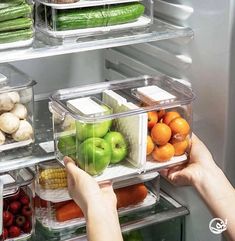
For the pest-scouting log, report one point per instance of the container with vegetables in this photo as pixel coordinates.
(16, 108)
(16, 23)
(87, 18)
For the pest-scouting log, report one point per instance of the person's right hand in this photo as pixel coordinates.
(200, 163)
(85, 191)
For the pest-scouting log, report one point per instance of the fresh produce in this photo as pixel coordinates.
(13, 36)
(133, 236)
(98, 16)
(6, 102)
(69, 211)
(24, 131)
(152, 119)
(15, 24)
(161, 133)
(94, 155)
(21, 10)
(20, 111)
(126, 196)
(131, 195)
(17, 215)
(15, 97)
(168, 137)
(118, 146)
(9, 123)
(53, 178)
(85, 130)
(67, 145)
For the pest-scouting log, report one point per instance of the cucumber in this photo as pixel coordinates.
(15, 12)
(9, 37)
(16, 24)
(7, 3)
(98, 16)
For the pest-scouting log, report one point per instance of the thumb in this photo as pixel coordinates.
(70, 168)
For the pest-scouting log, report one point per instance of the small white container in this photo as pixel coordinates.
(16, 108)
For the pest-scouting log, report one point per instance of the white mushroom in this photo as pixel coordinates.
(6, 103)
(15, 97)
(9, 123)
(25, 131)
(2, 138)
(20, 111)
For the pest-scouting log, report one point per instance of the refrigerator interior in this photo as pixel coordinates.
(204, 62)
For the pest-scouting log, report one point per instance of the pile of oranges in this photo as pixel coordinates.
(167, 135)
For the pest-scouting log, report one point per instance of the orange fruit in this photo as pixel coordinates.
(150, 145)
(152, 119)
(163, 153)
(169, 116)
(160, 114)
(179, 127)
(161, 133)
(180, 146)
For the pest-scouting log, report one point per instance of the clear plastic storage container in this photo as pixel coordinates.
(89, 18)
(17, 208)
(16, 24)
(56, 212)
(117, 128)
(16, 108)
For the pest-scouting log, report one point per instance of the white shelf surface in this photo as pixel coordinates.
(158, 31)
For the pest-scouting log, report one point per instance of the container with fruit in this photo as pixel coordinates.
(18, 207)
(117, 126)
(16, 108)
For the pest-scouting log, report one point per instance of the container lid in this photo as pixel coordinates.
(13, 79)
(15, 179)
(147, 93)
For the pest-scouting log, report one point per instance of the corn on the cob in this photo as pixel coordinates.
(53, 178)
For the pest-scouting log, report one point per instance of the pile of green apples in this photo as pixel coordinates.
(94, 146)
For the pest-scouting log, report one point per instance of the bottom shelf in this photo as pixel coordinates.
(166, 210)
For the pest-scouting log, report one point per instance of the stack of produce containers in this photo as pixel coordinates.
(59, 217)
(16, 23)
(65, 21)
(18, 206)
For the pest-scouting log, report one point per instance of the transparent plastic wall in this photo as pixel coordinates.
(116, 128)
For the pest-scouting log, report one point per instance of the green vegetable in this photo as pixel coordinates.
(15, 12)
(12, 3)
(16, 24)
(98, 16)
(9, 37)
(133, 236)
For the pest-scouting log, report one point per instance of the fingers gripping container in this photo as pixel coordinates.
(117, 128)
(69, 22)
(16, 24)
(58, 217)
(16, 108)
(17, 209)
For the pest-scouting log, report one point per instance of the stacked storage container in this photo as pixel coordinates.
(69, 22)
(59, 217)
(17, 207)
(16, 24)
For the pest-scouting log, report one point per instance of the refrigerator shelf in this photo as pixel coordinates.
(158, 31)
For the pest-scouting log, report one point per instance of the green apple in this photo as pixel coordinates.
(94, 155)
(67, 145)
(118, 146)
(99, 129)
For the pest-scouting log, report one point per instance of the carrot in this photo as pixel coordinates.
(60, 204)
(68, 211)
(131, 195)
